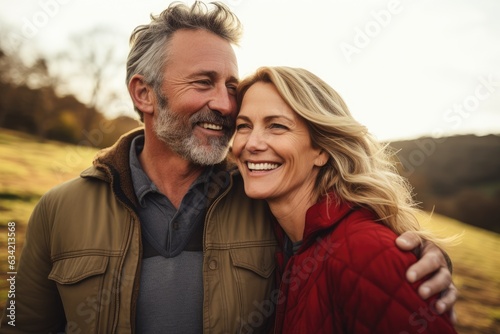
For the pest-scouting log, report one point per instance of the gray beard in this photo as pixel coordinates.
(170, 128)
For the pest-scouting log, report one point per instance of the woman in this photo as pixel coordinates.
(340, 205)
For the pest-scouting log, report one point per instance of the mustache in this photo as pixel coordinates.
(210, 116)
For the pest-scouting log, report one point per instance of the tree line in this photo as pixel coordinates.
(39, 96)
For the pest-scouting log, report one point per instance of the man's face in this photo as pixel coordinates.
(199, 87)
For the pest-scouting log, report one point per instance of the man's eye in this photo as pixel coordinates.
(204, 82)
(232, 89)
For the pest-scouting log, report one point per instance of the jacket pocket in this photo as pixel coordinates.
(253, 273)
(259, 260)
(80, 282)
(74, 269)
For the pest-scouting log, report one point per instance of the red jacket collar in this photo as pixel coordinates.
(325, 214)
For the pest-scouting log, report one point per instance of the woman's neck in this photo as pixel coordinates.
(291, 214)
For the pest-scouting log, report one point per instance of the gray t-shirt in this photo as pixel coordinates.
(171, 288)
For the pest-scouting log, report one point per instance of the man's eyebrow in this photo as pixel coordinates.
(213, 75)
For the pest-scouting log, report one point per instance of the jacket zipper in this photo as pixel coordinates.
(211, 209)
(135, 291)
(276, 325)
(205, 223)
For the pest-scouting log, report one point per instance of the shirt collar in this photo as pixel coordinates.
(142, 183)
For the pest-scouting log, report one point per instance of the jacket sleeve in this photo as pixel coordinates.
(377, 298)
(35, 306)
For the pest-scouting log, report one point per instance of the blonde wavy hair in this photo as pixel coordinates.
(360, 169)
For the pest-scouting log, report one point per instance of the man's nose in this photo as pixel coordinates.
(223, 101)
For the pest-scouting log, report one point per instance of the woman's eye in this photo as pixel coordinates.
(242, 126)
(278, 126)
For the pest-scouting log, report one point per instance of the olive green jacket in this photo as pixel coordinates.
(80, 266)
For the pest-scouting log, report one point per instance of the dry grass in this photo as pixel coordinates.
(476, 262)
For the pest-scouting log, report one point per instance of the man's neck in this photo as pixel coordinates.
(172, 174)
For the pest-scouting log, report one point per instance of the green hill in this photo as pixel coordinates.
(30, 167)
(457, 176)
(476, 262)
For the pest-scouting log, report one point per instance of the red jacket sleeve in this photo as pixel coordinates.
(374, 295)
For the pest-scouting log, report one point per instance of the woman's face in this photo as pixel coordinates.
(273, 147)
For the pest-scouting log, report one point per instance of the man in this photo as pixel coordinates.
(157, 236)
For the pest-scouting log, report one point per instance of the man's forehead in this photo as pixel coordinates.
(202, 53)
(199, 42)
(214, 75)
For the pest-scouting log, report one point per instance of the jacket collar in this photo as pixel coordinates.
(113, 162)
(325, 214)
(112, 165)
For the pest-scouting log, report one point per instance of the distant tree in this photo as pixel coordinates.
(26, 92)
(118, 127)
(91, 60)
(18, 70)
(38, 94)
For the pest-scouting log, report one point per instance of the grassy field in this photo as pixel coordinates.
(29, 168)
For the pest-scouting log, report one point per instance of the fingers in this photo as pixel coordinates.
(439, 282)
(453, 317)
(447, 301)
(432, 260)
(408, 241)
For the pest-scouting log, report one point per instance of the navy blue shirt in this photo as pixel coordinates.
(171, 289)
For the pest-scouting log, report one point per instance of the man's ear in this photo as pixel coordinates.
(142, 94)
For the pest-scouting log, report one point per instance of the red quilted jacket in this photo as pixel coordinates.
(348, 276)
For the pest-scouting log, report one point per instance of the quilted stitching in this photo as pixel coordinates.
(352, 281)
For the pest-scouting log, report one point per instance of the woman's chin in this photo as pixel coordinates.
(256, 194)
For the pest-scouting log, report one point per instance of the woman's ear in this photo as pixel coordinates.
(321, 159)
(142, 94)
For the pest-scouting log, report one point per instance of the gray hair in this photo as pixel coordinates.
(149, 43)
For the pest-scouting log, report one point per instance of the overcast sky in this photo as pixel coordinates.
(405, 68)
